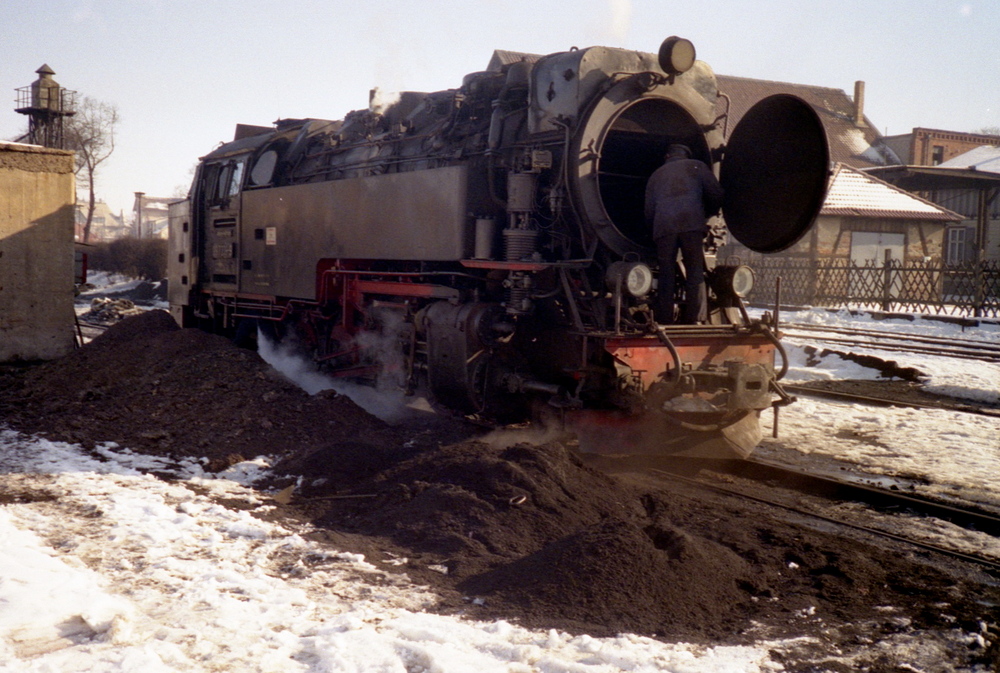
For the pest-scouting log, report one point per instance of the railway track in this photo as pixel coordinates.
(87, 331)
(964, 407)
(706, 474)
(967, 349)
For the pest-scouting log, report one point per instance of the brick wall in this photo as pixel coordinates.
(930, 147)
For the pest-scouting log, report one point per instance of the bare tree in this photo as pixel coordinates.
(183, 189)
(989, 131)
(91, 134)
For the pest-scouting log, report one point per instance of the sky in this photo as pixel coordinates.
(183, 73)
(166, 578)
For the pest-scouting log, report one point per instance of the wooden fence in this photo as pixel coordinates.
(971, 289)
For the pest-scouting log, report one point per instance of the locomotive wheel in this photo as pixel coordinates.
(246, 333)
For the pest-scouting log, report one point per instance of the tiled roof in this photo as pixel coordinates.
(858, 146)
(858, 194)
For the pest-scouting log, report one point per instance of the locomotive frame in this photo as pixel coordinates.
(490, 239)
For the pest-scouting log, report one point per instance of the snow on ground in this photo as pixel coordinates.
(104, 284)
(104, 567)
(951, 451)
(947, 454)
(967, 379)
(105, 299)
(956, 453)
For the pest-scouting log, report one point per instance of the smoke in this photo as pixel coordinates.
(538, 433)
(293, 366)
(621, 19)
(379, 101)
(385, 401)
(383, 345)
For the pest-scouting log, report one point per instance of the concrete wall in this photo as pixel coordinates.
(37, 193)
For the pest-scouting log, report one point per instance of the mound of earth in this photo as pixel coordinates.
(519, 531)
(531, 533)
(148, 385)
(658, 581)
(473, 505)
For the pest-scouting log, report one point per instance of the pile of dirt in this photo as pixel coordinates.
(660, 581)
(524, 532)
(474, 505)
(150, 386)
(531, 533)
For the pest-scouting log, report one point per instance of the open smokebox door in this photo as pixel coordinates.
(775, 173)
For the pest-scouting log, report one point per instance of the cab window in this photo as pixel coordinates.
(223, 181)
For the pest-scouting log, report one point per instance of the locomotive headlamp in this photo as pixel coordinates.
(635, 277)
(738, 280)
(676, 55)
(742, 281)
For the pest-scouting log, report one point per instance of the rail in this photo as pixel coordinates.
(970, 518)
(962, 407)
(965, 349)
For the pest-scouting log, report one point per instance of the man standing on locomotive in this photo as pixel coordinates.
(680, 196)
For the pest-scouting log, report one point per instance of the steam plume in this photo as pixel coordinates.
(386, 402)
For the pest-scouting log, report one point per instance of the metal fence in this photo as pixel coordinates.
(971, 289)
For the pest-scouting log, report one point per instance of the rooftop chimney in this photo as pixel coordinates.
(859, 104)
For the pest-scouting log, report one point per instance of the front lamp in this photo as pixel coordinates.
(635, 277)
(676, 56)
(735, 280)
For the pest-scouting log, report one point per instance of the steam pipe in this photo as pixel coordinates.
(781, 350)
(538, 386)
(518, 384)
(402, 274)
(777, 301)
(665, 340)
(618, 304)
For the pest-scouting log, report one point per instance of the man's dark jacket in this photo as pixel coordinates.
(679, 196)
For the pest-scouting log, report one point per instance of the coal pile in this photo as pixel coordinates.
(150, 386)
(658, 581)
(520, 531)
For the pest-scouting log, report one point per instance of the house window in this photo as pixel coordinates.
(937, 155)
(959, 245)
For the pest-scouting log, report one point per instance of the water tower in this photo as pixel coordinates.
(46, 104)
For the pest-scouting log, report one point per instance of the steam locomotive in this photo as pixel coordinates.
(487, 244)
